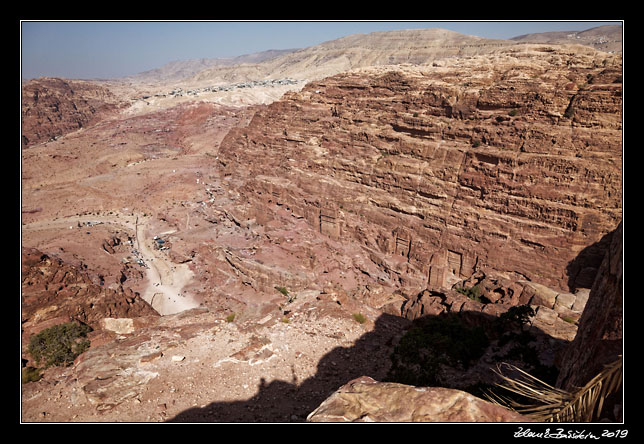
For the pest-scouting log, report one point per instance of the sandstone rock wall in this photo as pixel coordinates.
(599, 339)
(53, 107)
(507, 162)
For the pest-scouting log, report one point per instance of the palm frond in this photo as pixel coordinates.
(555, 405)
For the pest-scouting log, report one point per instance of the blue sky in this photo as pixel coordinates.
(107, 49)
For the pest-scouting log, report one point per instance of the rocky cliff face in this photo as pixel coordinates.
(52, 107)
(599, 340)
(508, 163)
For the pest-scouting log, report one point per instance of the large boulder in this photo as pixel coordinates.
(366, 400)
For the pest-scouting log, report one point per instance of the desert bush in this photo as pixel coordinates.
(473, 293)
(515, 318)
(360, 318)
(59, 345)
(30, 374)
(285, 292)
(432, 343)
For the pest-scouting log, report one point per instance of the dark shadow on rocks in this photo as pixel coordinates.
(582, 270)
(292, 401)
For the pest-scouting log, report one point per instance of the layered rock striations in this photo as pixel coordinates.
(366, 400)
(53, 107)
(506, 163)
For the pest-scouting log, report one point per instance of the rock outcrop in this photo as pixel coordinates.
(54, 292)
(53, 107)
(507, 163)
(599, 340)
(366, 400)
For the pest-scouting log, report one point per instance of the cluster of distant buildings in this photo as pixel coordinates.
(179, 92)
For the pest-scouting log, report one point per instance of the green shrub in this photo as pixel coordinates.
(30, 374)
(230, 317)
(473, 293)
(285, 292)
(569, 319)
(515, 318)
(59, 345)
(359, 317)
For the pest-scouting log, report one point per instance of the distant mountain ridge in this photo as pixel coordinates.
(604, 38)
(414, 46)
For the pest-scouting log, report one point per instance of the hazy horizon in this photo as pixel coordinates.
(113, 49)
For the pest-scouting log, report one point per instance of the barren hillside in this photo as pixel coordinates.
(182, 69)
(419, 46)
(604, 38)
(52, 107)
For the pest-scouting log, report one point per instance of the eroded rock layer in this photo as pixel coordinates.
(52, 107)
(508, 162)
(366, 400)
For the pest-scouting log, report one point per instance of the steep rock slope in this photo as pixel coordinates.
(508, 162)
(599, 340)
(52, 107)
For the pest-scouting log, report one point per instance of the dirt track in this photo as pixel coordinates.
(166, 280)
